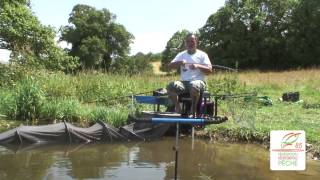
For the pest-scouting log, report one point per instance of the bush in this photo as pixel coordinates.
(10, 74)
(51, 110)
(99, 114)
(29, 100)
(116, 116)
(131, 65)
(8, 105)
(70, 110)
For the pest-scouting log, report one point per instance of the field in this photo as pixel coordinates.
(301, 115)
(90, 96)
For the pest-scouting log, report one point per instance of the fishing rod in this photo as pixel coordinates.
(220, 96)
(225, 67)
(118, 98)
(217, 66)
(239, 95)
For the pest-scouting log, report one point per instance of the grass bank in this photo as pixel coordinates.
(90, 96)
(253, 122)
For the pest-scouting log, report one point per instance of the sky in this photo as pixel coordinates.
(152, 22)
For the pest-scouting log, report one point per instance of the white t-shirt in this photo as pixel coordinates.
(199, 57)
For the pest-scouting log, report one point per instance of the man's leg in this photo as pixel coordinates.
(195, 96)
(174, 98)
(174, 89)
(195, 88)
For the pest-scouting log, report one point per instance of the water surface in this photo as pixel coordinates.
(145, 160)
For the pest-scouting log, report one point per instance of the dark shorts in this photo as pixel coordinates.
(181, 87)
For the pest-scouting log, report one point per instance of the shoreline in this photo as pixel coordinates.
(311, 149)
(230, 136)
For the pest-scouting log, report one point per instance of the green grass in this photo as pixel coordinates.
(91, 96)
(83, 98)
(303, 115)
(5, 124)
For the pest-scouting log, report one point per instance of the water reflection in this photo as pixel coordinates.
(31, 165)
(145, 160)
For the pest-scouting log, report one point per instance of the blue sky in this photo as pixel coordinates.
(152, 22)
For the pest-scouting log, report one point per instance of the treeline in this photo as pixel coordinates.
(97, 41)
(250, 34)
(259, 34)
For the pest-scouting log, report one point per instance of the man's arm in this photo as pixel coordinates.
(207, 69)
(205, 66)
(176, 64)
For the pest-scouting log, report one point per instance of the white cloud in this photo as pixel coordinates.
(154, 42)
(4, 55)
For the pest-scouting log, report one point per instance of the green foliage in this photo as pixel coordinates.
(263, 34)
(57, 84)
(99, 114)
(95, 37)
(29, 100)
(154, 57)
(52, 110)
(63, 109)
(117, 116)
(58, 60)
(67, 97)
(92, 87)
(226, 83)
(58, 96)
(8, 124)
(18, 27)
(91, 51)
(31, 43)
(304, 35)
(125, 65)
(70, 110)
(8, 105)
(175, 45)
(136, 64)
(8, 75)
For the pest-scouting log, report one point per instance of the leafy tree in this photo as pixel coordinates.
(142, 63)
(92, 48)
(252, 32)
(216, 36)
(153, 57)
(304, 34)
(95, 37)
(174, 46)
(139, 63)
(31, 43)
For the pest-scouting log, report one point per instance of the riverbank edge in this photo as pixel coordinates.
(222, 135)
(312, 150)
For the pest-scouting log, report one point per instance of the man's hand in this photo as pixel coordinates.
(177, 64)
(182, 63)
(203, 68)
(193, 66)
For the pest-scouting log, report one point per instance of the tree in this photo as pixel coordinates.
(95, 37)
(304, 34)
(174, 46)
(217, 36)
(252, 32)
(139, 63)
(30, 42)
(154, 57)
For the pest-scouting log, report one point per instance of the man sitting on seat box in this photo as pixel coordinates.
(194, 64)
